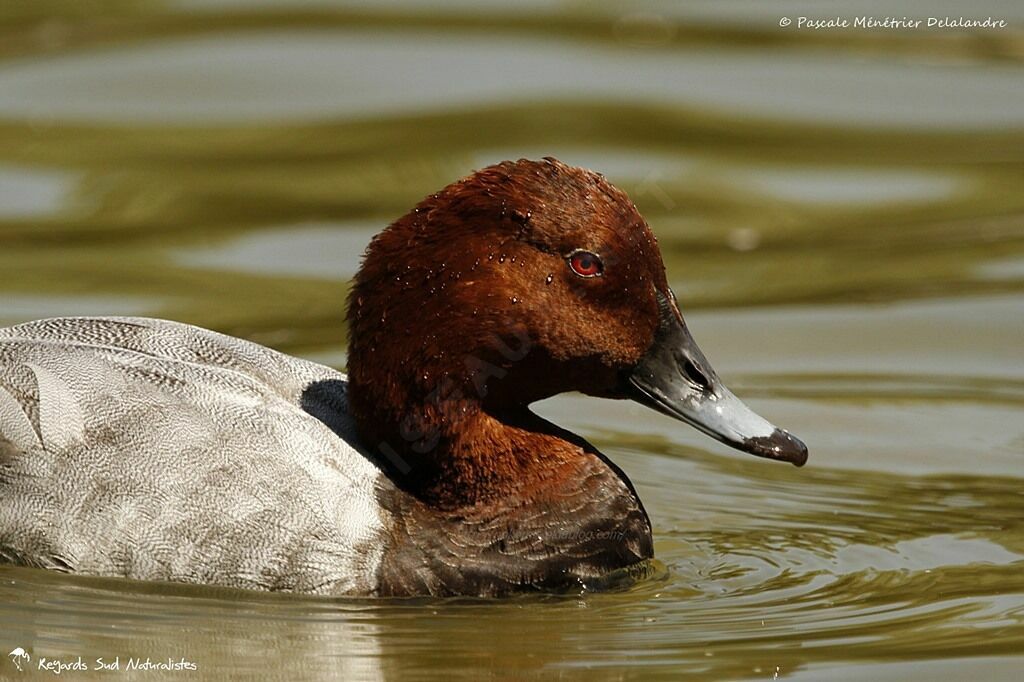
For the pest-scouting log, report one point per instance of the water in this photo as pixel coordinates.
(842, 220)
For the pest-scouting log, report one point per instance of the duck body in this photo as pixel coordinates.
(156, 450)
(160, 451)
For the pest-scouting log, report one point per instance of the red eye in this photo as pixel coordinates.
(586, 264)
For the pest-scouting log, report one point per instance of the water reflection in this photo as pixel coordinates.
(31, 193)
(316, 73)
(15, 308)
(322, 250)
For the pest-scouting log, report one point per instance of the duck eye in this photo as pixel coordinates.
(586, 264)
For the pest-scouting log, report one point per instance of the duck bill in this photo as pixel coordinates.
(676, 379)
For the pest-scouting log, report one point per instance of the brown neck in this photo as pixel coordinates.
(452, 451)
(491, 502)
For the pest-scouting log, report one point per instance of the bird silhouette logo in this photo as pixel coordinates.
(20, 656)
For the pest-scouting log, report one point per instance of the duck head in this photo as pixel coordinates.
(521, 281)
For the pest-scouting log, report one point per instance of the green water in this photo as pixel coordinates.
(841, 215)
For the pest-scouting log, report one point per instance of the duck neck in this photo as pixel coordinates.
(505, 502)
(489, 497)
(453, 451)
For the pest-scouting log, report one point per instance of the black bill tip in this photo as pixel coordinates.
(781, 446)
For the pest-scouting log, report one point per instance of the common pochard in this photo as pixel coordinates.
(156, 450)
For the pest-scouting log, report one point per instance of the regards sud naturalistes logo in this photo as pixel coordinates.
(23, 661)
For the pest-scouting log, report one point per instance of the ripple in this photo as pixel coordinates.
(33, 193)
(323, 250)
(303, 75)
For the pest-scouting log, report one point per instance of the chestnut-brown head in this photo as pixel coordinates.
(523, 280)
(518, 267)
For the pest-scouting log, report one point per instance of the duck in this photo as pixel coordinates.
(155, 450)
